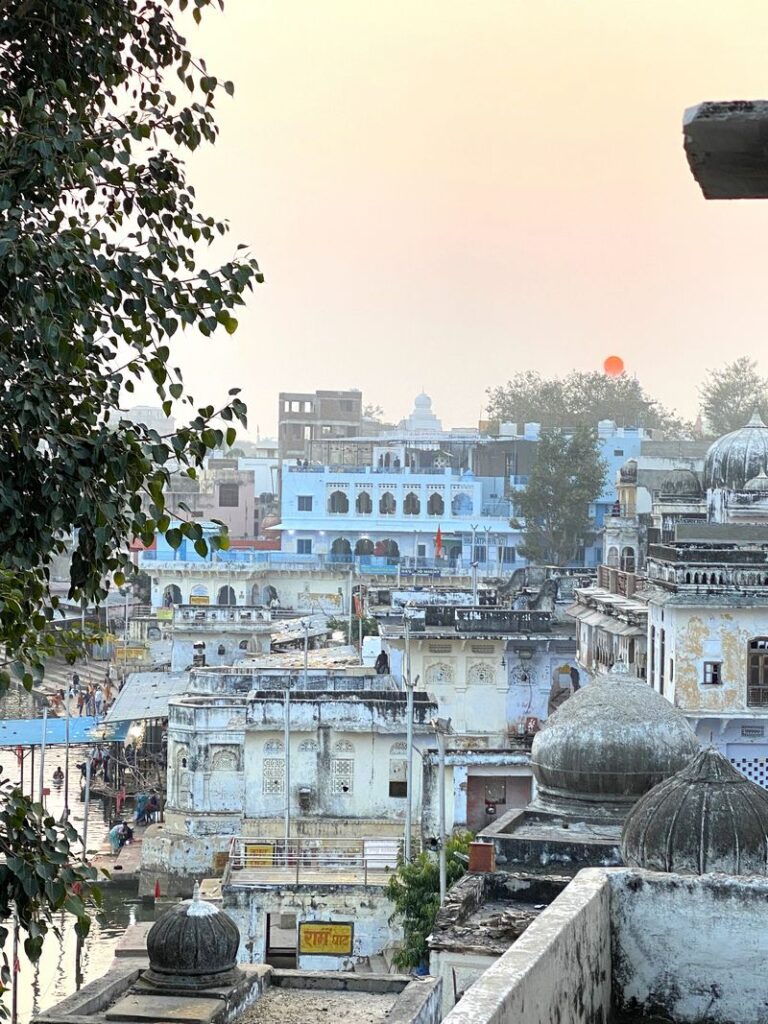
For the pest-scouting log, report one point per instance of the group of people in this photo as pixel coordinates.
(93, 699)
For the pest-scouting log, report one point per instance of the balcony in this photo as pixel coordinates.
(313, 861)
(615, 581)
(486, 620)
(757, 696)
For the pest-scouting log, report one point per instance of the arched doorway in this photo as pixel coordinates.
(341, 547)
(226, 596)
(388, 549)
(364, 546)
(461, 505)
(171, 595)
(363, 504)
(338, 503)
(435, 505)
(387, 504)
(613, 558)
(628, 559)
(411, 505)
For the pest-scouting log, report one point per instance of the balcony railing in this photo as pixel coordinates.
(486, 620)
(312, 861)
(757, 696)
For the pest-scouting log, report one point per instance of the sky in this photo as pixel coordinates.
(442, 193)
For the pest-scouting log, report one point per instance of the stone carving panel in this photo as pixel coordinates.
(481, 673)
(440, 673)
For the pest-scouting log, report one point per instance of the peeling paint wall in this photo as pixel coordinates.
(367, 908)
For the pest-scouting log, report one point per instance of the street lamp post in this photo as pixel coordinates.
(408, 741)
(442, 728)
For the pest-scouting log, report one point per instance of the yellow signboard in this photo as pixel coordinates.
(199, 599)
(325, 938)
(164, 613)
(258, 855)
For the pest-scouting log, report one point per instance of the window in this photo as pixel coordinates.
(305, 503)
(303, 546)
(618, 451)
(461, 505)
(229, 495)
(507, 555)
(398, 775)
(757, 672)
(364, 505)
(221, 651)
(342, 769)
(338, 503)
(274, 769)
(712, 673)
(435, 505)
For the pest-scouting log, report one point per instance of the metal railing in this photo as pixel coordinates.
(311, 860)
(757, 696)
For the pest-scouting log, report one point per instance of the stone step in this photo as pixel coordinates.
(362, 967)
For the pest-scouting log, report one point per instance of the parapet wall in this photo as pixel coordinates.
(559, 969)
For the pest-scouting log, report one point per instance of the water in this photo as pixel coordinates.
(53, 977)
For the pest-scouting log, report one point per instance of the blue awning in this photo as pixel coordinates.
(28, 732)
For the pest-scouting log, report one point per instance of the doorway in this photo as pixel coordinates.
(281, 941)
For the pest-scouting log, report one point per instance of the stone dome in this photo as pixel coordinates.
(194, 945)
(737, 457)
(706, 818)
(423, 402)
(681, 482)
(606, 746)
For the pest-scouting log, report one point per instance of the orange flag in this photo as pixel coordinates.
(438, 543)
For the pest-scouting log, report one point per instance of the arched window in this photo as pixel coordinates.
(226, 596)
(387, 548)
(387, 504)
(411, 505)
(757, 672)
(364, 546)
(435, 505)
(398, 774)
(461, 504)
(243, 645)
(171, 595)
(628, 559)
(199, 594)
(222, 650)
(338, 503)
(613, 558)
(364, 505)
(273, 768)
(341, 547)
(343, 769)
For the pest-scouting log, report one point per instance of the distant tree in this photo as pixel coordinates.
(373, 412)
(566, 477)
(579, 399)
(370, 628)
(414, 889)
(731, 393)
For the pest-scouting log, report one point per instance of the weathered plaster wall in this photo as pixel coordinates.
(695, 948)
(558, 971)
(461, 969)
(367, 908)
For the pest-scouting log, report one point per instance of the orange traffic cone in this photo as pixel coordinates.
(157, 889)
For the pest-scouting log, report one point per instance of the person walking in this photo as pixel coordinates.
(80, 703)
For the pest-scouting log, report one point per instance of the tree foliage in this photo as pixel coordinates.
(100, 241)
(567, 476)
(731, 394)
(580, 399)
(414, 889)
(100, 275)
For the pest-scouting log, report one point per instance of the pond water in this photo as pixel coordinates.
(54, 977)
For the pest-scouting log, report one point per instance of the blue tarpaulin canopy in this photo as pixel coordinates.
(28, 732)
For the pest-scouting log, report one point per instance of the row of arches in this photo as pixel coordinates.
(201, 594)
(338, 504)
(382, 548)
(626, 562)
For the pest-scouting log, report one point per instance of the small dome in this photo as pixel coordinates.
(681, 482)
(706, 818)
(758, 484)
(737, 457)
(193, 945)
(606, 746)
(423, 401)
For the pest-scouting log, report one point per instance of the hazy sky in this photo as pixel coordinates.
(441, 193)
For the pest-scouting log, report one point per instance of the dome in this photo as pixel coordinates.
(194, 945)
(737, 457)
(680, 482)
(606, 746)
(423, 402)
(706, 818)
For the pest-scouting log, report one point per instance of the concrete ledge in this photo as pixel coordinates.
(726, 143)
(418, 1003)
(559, 968)
(340, 981)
